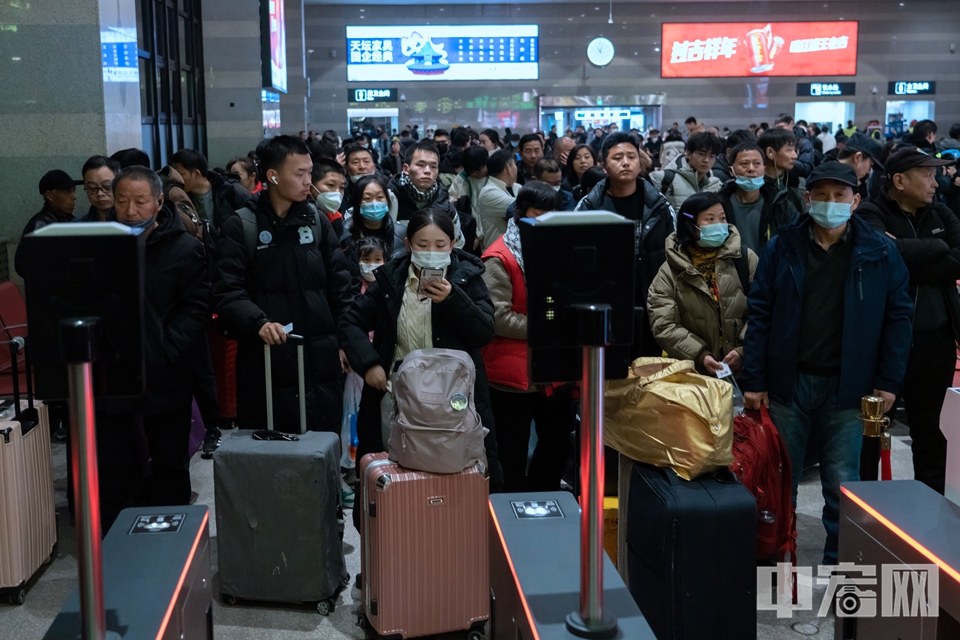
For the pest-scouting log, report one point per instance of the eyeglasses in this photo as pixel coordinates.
(92, 191)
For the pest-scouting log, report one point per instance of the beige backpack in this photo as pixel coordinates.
(435, 425)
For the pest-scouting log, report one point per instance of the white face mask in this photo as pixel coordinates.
(430, 259)
(329, 201)
(367, 269)
(555, 187)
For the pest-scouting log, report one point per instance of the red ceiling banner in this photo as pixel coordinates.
(745, 49)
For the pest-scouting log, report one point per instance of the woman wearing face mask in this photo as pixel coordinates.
(516, 401)
(698, 302)
(580, 158)
(370, 215)
(454, 313)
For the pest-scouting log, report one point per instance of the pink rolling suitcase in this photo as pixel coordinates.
(28, 523)
(424, 550)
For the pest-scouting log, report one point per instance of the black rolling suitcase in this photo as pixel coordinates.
(278, 513)
(691, 553)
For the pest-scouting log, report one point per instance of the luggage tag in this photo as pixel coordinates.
(288, 328)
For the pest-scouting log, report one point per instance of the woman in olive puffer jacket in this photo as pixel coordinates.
(698, 302)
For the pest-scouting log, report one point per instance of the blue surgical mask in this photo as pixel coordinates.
(140, 227)
(829, 215)
(713, 235)
(749, 184)
(374, 211)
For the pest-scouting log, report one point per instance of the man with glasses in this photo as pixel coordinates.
(692, 172)
(59, 193)
(98, 175)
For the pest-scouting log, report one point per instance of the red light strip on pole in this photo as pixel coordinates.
(513, 570)
(929, 555)
(183, 576)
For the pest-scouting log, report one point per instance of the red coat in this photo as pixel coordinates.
(506, 358)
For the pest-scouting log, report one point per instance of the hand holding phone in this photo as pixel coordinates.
(426, 277)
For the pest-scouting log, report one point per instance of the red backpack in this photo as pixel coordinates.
(761, 463)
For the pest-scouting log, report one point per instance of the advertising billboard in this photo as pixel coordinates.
(438, 52)
(746, 49)
(273, 45)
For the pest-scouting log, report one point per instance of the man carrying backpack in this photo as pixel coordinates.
(281, 265)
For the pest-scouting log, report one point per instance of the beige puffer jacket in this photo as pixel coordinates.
(683, 316)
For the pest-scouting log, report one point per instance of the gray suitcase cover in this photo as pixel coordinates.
(277, 533)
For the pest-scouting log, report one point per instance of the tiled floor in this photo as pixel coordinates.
(283, 622)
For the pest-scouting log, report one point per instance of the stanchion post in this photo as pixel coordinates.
(591, 621)
(77, 345)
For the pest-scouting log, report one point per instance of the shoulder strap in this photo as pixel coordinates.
(249, 220)
(667, 182)
(743, 271)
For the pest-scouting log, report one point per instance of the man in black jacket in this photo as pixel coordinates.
(177, 312)
(59, 193)
(214, 196)
(927, 234)
(623, 191)
(805, 161)
(418, 187)
(281, 264)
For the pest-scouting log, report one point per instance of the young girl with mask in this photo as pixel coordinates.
(697, 303)
(369, 218)
(452, 313)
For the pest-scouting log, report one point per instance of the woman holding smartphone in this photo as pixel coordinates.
(452, 311)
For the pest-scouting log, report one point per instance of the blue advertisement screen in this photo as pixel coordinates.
(437, 52)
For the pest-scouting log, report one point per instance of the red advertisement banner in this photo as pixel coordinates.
(745, 49)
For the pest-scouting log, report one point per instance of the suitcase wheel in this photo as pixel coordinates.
(362, 621)
(18, 596)
(326, 607)
(228, 599)
(345, 582)
(476, 635)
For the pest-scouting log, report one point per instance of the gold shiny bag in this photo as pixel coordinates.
(668, 415)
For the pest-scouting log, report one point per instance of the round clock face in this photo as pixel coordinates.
(600, 52)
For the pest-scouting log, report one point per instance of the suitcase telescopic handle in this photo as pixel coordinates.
(268, 369)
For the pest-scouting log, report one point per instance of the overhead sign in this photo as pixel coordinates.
(912, 88)
(442, 52)
(746, 49)
(820, 89)
(602, 114)
(373, 95)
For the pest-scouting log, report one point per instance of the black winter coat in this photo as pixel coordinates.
(780, 207)
(464, 321)
(228, 196)
(298, 275)
(929, 243)
(176, 315)
(41, 219)
(406, 206)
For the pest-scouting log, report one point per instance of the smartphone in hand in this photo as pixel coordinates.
(427, 276)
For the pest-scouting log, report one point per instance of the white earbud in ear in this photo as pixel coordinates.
(273, 179)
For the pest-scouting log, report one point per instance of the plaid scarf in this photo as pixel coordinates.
(418, 196)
